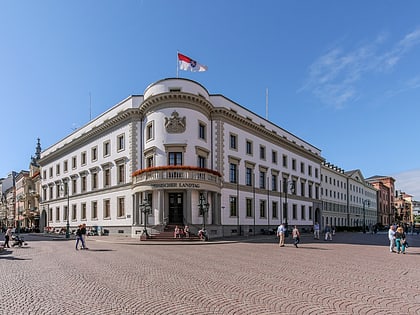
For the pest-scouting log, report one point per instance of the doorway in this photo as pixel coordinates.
(176, 208)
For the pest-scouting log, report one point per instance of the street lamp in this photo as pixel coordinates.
(286, 207)
(365, 202)
(204, 208)
(145, 208)
(65, 191)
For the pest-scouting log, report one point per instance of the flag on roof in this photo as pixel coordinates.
(188, 64)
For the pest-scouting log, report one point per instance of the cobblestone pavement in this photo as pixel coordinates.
(353, 274)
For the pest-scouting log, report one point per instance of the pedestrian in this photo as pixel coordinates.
(280, 234)
(83, 231)
(296, 236)
(328, 233)
(400, 240)
(7, 237)
(187, 231)
(79, 237)
(316, 231)
(391, 237)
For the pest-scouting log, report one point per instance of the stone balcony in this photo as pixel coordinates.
(182, 177)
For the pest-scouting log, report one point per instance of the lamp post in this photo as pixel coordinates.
(145, 209)
(286, 190)
(204, 208)
(365, 202)
(65, 191)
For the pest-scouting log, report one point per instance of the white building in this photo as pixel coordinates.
(195, 158)
(347, 199)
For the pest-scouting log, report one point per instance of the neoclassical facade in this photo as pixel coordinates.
(177, 155)
(348, 200)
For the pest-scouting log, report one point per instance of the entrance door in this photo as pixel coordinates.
(176, 208)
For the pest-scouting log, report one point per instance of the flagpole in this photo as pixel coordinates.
(177, 65)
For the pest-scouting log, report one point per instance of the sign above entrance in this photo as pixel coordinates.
(176, 185)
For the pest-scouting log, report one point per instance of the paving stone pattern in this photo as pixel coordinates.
(353, 274)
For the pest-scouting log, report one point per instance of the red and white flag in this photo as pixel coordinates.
(188, 64)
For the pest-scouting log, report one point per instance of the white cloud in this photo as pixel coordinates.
(334, 77)
(408, 182)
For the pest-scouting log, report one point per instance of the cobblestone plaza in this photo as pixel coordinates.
(353, 274)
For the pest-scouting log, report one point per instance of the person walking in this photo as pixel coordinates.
(328, 233)
(79, 237)
(7, 237)
(280, 234)
(400, 240)
(296, 236)
(391, 237)
(316, 231)
(83, 231)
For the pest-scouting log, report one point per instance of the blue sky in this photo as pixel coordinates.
(342, 75)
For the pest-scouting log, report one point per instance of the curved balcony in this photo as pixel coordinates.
(177, 176)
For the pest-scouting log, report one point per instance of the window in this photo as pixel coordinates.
(149, 161)
(74, 212)
(121, 207)
(302, 212)
(83, 158)
(107, 148)
(57, 214)
(202, 131)
(262, 208)
(310, 170)
(65, 166)
(310, 212)
(233, 141)
(83, 211)
(50, 214)
(202, 162)
(310, 187)
(316, 173)
(248, 147)
(107, 177)
(44, 174)
(285, 161)
(94, 154)
(175, 158)
(302, 167)
(149, 131)
(121, 173)
(120, 142)
(233, 173)
(73, 162)
(274, 209)
(294, 214)
(51, 172)
(294, 164)
(94, 210)
(65, 213)
(107, 209)
(262, 152)
(83, 180)
(248, 176)
(274, 157)
(233, 206)
(262, 179)
(94, 180)
(74, 185)
(57, 169)
(248, 207)
(274, 182)
(302, 189)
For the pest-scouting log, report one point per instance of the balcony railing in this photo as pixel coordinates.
(176, 173)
